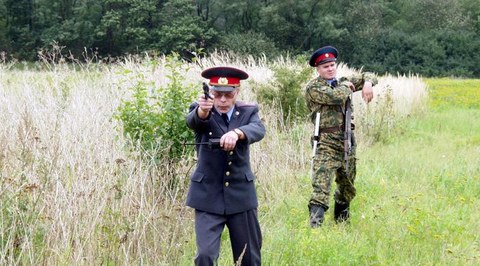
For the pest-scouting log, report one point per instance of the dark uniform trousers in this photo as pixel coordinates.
(245, 237)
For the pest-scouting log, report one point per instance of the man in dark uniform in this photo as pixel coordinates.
(222, 189)
(327, 95)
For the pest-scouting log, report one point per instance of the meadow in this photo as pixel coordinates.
(72, 192)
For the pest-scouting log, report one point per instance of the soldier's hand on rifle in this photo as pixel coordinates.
(229, 140)
(204, 106)
(367, 91)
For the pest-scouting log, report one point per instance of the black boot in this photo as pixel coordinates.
(316, 215)
(341, 212)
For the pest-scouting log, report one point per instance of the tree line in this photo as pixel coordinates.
(428, 37)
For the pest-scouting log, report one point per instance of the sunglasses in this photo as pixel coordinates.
(228, 95)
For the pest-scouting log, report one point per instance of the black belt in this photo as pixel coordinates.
(332, 130)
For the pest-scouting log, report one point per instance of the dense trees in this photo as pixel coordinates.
(430, 37)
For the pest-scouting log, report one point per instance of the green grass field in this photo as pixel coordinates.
(449, 93)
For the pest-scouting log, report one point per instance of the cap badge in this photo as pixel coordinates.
(223, 81)
(327, 55)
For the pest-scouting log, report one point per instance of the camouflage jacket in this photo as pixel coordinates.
(330, 101)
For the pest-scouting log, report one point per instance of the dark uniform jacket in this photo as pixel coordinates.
(223, 182)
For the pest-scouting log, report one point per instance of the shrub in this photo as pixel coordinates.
(154, 119)
(285, 92)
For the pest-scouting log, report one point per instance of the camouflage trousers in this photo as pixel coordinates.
(329, 162)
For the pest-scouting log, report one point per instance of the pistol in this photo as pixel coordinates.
(206, 91)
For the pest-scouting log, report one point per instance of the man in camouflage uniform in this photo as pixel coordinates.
(328, 95)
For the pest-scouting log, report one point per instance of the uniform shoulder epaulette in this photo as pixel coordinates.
(316, 82)
(246, 104)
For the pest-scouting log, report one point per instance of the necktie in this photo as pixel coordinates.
(225, 119)
(334, 83)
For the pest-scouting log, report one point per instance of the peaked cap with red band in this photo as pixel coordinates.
(323, 55)
(224, 78)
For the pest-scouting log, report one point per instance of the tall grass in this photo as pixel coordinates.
(70, 192)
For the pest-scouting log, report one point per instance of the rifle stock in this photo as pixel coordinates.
(315, 138)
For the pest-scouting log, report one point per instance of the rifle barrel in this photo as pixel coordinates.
(213, 143)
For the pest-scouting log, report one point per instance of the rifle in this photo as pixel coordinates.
(347, 134)
(316, 138)
(206, 91)
(212, 143)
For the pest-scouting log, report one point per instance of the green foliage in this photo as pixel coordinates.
(249, 43)
(154, 119)
(430, 38)
(286, 23)
(285, 92)
(432, 54)
(3, 26)
(176, 27)
(431, 15)
(122, 27)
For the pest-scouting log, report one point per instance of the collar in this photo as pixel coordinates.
(229, 113)
(330, 81)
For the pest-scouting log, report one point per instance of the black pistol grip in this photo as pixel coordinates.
(206, 91)
(214, 143)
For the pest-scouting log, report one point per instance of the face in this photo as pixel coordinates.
(224, 101)
(327, 70)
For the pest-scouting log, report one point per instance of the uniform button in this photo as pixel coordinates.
(210, 133)
(230, 163)
(231, 153)
(226, 184)
(227, 173)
